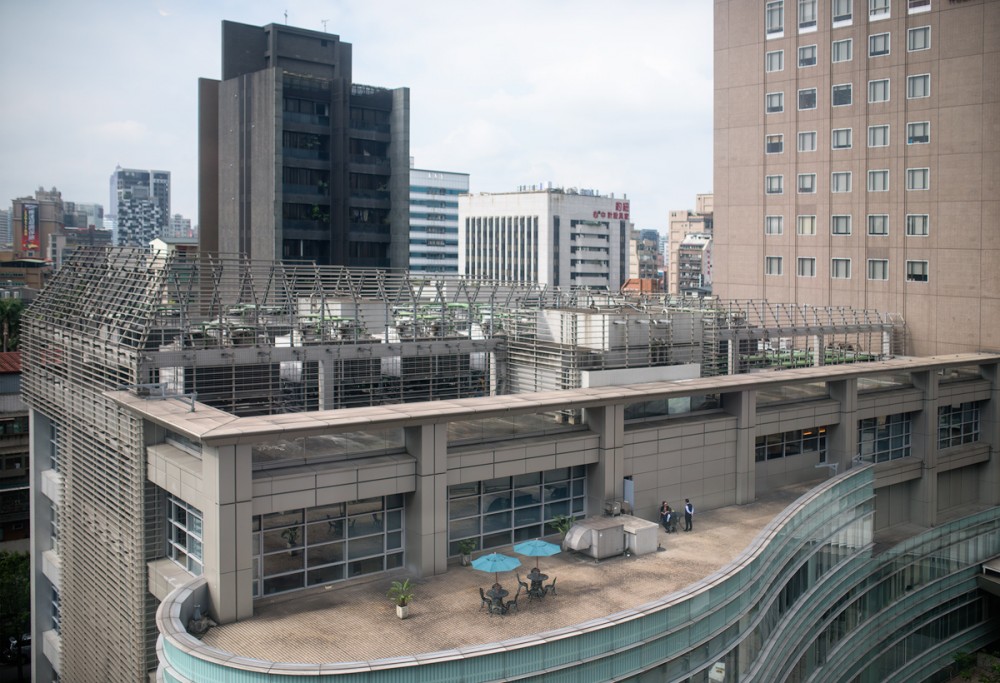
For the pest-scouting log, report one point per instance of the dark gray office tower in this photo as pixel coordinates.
(296, 161)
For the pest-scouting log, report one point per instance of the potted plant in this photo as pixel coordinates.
(562, 524)
(291, 536)
(401, 592)
(465, 548)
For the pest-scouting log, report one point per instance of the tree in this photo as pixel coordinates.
(10, 323)
(15, 593)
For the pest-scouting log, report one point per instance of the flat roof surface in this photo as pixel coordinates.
(354, 621)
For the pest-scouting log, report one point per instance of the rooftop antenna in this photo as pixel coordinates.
(286, 17)
(323, 21)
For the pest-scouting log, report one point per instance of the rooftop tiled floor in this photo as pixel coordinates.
(356, 622)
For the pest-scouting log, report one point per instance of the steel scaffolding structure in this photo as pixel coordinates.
(266, 338)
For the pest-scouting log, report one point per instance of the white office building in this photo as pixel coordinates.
(434, 220)
(559, 237)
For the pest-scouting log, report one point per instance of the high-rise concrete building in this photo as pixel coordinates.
(37, 224)
(140, 205)
(296, 161)
(681, 224)
(434, 219)
(180, 227)
(857, 160)
(6, 227)
(565, 238)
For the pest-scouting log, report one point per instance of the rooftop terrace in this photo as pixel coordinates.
(355, 622)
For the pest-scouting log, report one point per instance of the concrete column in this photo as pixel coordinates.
(842, 438)
(426, 511)
(743, 406)
(327, 383)
(819, 356)
(924, 445)
(989, 432)
(604, 480)
(227, 528)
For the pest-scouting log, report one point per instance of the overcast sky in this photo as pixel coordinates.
(609, 96)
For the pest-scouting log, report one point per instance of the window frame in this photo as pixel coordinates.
(915, 274)
(913, 225)
(916, 30)
(879, 10)
(815, 56)
(770, 261)
(873, 38)
(771, 221)
(800, 261)
(834, 269)
(780, 94)
(777, 6)
(912, 139)
(849, 43)
(918, 6)
(800, 138)
(912, 174)
(843, 132)
(810, 185)
(872, 275)
(888, 91)
(798, 99)
(767, 61)
(872, 225)
(807, 26)
(780, 184)
(841, 225)
(918, 78)
(780, 142)
(835, 184)
(872, 128)
(805, 225)
(882, 172)
(844, 19)
(840, 87)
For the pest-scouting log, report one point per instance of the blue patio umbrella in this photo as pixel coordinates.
(495, 562)
(537, 548)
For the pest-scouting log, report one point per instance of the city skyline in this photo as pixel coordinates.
(618, 101)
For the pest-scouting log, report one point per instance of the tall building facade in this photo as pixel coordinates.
(140, 205)
(296, 161)
(434, 219)
(564, 238)
(681, 224)
(37, 224)
(857, 160)
(5, 228)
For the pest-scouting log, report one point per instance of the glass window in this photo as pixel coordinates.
(916, 271)
(807, 55)
(787, 444)
(878, 136)
(805, 225)
(915, 6)
(841, 138)
(884, 438)
(918, 133)
(918, 178)
(917, 224)
(878, 181)
(772, 265)
(878, 269)
(774, 17)
(807, 183)
(840, 225)
(774, 61)
(184, 534)
(807, 141)
(805, 267)
(842, 10)
(918, 86)
(775, 102)
(840, 268)
(774, 225)
(774, 144)
(840, 181)
(807, 14)
(918, 38)
(841, 51)
(878, 9)
(958, 424)
(878, 45)
(842, 95)
(878, 224)
(878, 91)
(807, 98)
(774, 184)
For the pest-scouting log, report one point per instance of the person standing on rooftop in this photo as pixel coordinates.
(688, 514)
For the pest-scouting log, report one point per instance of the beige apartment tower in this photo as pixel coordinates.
(857, 160)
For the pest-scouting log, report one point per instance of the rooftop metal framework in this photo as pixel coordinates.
(267, 338)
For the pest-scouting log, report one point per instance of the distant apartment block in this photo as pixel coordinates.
(682, 224)
(5, 228)
(140, 205)
(645, 259)
(565, 238)
(296, 160)
(434, 220)
(180, 227)
(857, 160)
